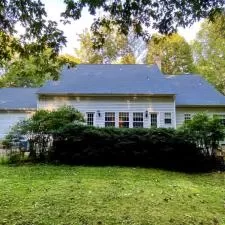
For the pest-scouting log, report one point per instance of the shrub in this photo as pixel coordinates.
(39, 129)
(205, 131)
(60, 136)
(158, 147)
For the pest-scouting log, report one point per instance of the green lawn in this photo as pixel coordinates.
(51, 195)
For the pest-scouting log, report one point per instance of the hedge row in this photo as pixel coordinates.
(164, 148)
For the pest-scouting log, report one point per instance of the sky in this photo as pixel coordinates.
(55, 7)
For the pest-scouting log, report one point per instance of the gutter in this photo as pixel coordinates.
(102, 95)
(202, 106)
(18, 110)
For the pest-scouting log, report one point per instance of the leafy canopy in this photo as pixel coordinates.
(45, 122)
(40, 127)
(205, 131)
(38, 34)
(128, 59)
(116, 46)
(162, 15)
(34, 70)
(172, 51)
(209, 51)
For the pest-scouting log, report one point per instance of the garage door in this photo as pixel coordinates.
(7, 120)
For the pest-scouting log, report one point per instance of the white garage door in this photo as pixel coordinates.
(8, 119)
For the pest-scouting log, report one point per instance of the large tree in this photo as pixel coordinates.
(173, 52)
(163, 15)
(129, 58)
(35, 70)
(116, 47)
(209, 51)
(38, 32)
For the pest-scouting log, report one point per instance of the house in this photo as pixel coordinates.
(119, 96)
(15, 104)
(131, 95)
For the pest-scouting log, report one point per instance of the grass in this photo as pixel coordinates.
(63, 195)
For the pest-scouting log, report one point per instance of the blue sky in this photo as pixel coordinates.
(55, 7)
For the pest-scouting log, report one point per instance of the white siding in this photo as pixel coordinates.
(193, 111)
(159, 105)
(8, 119)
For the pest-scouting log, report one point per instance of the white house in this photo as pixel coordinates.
(129, 96)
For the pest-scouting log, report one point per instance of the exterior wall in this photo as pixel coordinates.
(10, 118)
(210, 111)
(159, 105)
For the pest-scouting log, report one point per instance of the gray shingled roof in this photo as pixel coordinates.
(193, 90)
(190, 90)
(18, 98)
(109, 79)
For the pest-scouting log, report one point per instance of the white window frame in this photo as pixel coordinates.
(187, 117)
(140, 121)
(110, 121)
(167, 116)
(124, 115)
(92, 113)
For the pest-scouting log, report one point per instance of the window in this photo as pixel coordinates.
(168, 119)
(221, 118)
(137, 119)
(124, 119)
(187, 117)
(90, 118)
(109, 119)
(153, 117)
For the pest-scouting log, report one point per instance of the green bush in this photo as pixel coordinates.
(159, 147)
(39, 129)
(61, 136)
(205, 131)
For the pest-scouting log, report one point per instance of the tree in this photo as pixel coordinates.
(69, 60)
(163, 15)
(115, 46)
(173, 52)
(209, 51)
(6, 53)
(38, 32)
(40, 127)
(205, 131)
(86, 53)
(129, 58)
(134, 51)
(35, 70)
